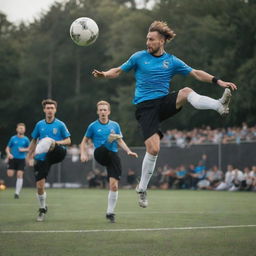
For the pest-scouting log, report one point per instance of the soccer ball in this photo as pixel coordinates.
(84, 31)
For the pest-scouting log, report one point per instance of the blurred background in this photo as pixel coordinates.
(38, 60)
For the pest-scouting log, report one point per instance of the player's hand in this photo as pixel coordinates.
(97, 73)
(84, 158)
(29, 161)
(130, 153)
(224, 84)
(10, 156)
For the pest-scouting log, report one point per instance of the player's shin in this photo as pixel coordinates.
(148, 166)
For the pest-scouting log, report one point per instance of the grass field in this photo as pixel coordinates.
(76, 224)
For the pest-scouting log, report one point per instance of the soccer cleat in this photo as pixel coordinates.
(225, 100)
(143, 202)
(16, 196)
(41, 215)
(111, 217)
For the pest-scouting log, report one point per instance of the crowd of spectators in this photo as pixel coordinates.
(197, 177)
(207, 135)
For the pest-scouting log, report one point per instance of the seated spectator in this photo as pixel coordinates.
(199, 172)
(238, 181)
(131, 179)
(253, 175)
(214, 176)
(181, 176)
(227, 183)
(94, 179)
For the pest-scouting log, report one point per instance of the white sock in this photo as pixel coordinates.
(203, 102)
(148, 166)
(112, 199)
(19, 183)
(42, 200)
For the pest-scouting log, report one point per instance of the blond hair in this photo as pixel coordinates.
(103, 102)
(162, 28)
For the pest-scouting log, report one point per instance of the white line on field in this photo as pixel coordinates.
(124, 230)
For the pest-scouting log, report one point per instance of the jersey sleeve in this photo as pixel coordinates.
(118, 129)
(89, 132)
(10, 142)
(35, 134)
(64, 131)
(129, 64)
(181, 67)
(27, 142)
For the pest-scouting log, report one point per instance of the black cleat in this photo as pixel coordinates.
(110, 217)
(41, 215)
(16, 196)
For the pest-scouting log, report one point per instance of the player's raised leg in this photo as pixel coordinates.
(204, 102)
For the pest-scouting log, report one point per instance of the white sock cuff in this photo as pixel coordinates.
(151, 157)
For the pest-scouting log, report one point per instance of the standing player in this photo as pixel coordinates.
(53, 136)
(16, 151)
(106, 136)
(154, 68)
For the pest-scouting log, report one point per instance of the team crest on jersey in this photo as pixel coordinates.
(166, 64)
(55, 130)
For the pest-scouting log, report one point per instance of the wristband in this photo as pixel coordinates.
(215, 80)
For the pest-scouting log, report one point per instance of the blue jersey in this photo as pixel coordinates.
(17, 142)
(99, 133)
(56, 130)
(153, 74)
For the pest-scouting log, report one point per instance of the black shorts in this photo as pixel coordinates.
(151, 113)
(110, 160)
(42, 168)
(16, 164)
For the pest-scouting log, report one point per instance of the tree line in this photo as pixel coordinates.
(38, 60)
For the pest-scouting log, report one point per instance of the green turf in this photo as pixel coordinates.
(84, 209)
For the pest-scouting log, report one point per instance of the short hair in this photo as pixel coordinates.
(103, 102)
(49, 101)
(20, 124)
(162, 28)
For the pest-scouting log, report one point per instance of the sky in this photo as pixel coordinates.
(24, 10)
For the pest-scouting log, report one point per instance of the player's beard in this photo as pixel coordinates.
(153, 51)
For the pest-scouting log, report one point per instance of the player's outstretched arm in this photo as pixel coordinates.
(111, 73)
(205, 77)
(123, 145)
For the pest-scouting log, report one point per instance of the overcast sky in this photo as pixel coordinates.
(26, 10)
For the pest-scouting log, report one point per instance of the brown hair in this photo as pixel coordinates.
(162, 28)
(49, 101)
(103, 102)
(21, 124)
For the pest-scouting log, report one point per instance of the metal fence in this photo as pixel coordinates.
(73, 174)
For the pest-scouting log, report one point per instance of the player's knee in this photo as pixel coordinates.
(114, 187)
(185, 92)
(10, 174)
(154, 150)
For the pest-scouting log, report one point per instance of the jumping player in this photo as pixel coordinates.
(154, 69)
